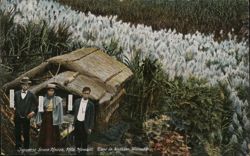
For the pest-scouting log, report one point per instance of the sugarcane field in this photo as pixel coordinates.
(125, 77)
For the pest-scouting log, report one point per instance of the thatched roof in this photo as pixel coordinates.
(84, 67)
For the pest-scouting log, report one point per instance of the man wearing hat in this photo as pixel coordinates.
(25, 103)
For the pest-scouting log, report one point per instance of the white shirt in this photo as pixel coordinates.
(23, 94)
(82, 110)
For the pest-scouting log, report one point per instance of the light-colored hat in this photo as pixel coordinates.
(51, 86)
(25, 80)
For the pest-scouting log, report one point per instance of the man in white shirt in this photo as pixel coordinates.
(84, 115)
(82, 110)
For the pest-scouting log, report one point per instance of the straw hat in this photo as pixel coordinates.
(51, 86)
(25, 80)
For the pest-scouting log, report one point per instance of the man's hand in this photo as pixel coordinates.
(89, 131)
(30, 115)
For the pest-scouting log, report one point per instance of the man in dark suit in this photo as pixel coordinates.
(84, 115)
(25, 104)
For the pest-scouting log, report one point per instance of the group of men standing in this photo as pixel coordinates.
(26, 107)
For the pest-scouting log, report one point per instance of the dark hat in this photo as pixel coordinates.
(25, 80)
(51, 86)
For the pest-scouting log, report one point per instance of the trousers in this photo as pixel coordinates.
(22, 125)
(81, 138)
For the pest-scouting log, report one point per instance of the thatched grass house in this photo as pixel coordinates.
(84, 67)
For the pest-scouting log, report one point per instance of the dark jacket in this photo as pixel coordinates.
(25, 106)
(89, 114)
